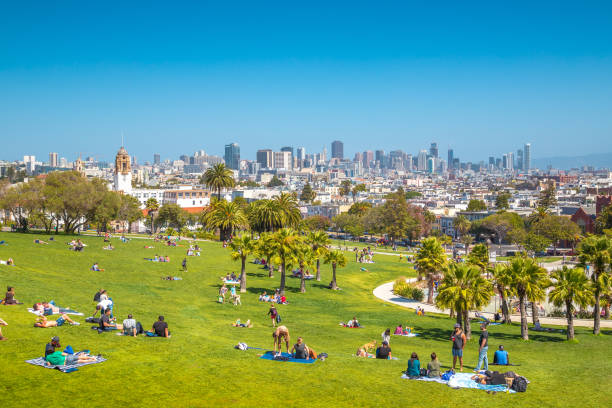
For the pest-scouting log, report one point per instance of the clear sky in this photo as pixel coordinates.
(481, 77)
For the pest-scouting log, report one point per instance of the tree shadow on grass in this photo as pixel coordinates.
(258, 275)
(434, 333)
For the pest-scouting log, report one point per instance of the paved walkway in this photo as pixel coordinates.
(385, 292)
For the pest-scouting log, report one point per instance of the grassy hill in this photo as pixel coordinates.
(198, 365)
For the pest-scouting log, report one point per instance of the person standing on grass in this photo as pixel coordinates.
(483, 348)
(273, 313)
(458, 338)
(2, 323)
(184, 264)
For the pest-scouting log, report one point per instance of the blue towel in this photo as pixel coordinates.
(270, 356)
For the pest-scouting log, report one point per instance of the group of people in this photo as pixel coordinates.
(74, 245)
(194, 250)
(276, 298)
(402, 331)
(235, 297)
(158, 258)
(299, 350)
(459, 340)
(364, 255)
(298, 274)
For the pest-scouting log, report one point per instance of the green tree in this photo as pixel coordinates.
(307, 194)
(241, 248)
(265, 215)
(337, 260)
(463, 289)
(596, 252)
(359, 188)
(501, 201)
(604, 220)
(305, 260)
(129, 211)
(570, 286)
(287, 205)
(217, 178)
(345, 187)
(400, 219)
(266, 250)
(284, 243)
(172, 215)
(107, 209)
(527, 280)
(535, 243)
(152, 206)
(548, 196)
(275, 182)
(476, 205)
(501, 223)
(430, 261)
(360, 208)
(556, 228)
(318, 241)
(479, 257)
(462, 225)
(503, 281)
(317, 223)
(226, 216)
(413, 194)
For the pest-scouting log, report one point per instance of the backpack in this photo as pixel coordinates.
(447, 375)
(423, 372)
(519, 384)
(241, 346)
(278, 318)
(97, 297)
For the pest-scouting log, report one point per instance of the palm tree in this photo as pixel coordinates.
(152, 207)
(462, 225)
(242, 247)
(218, 177)
(502, 281)
(462, 289)
(265, 215)
(265, 249)
(597, 252)
(479, 257)
(284, 243)
(304, 258)
(288, 207)
(227, 216)
(570, 286)
(430, 260)
(318, 241)
(527, 279)
(336, 259)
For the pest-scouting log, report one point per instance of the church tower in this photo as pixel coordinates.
(78, 165)
(123, 172)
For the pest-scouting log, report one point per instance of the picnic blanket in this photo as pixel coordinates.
(461, 380)
(229, 282)
(437, 379)
(40, 361)
(407, 335)
(62, 311)
(269, 355)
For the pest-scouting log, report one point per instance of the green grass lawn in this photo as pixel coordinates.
(198, 365)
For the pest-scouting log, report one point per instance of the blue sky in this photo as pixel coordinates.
(480, 77)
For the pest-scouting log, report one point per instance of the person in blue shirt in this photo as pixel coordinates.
(501, 357)
(414, 366)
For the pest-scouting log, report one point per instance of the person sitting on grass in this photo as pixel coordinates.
(501, 357)
(384, 351)
(433, 367)
(233, 277)
(399, 330)
(386, 336)
(107, 323)
(414, 366)
(9, 297)
(42, 321)
(131, 327)
(109, 247)
(281, 334)
(2, 323)
(96, 268)
(353, 323)
(300, 350)
(160, 328)
(264, 297)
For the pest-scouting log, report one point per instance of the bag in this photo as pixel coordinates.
(423, 372)
(92, 320)
(241, 346)
(447, 375)
(519, 384)
(97, 297)
(278, 318)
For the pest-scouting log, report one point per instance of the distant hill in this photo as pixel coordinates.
(598, 160)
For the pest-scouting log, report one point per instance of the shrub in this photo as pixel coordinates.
(170, 231)
(418, 294)
(400, 286)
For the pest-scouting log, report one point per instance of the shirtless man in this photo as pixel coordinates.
(42, 321)
(280, 334)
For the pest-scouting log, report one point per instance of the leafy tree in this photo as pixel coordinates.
(570, 286)
(535, 243)
(287, 205)
(463, 225)
(479, 257)
(399, 219)
(264, 215)
(604, 220)
(305, 260)
(413, 194)
(173, 216)
(476, 205)
(548, 196)
(217, 178)
(556, 228)
(502, 281)
(527, 280)
(152, 207)
(318, 241)
(336, 259)
(266, 250)
(107, 209)
(359, 188)
(129, 210)
(501, 201)
(345, 187)
(275, 182)
(430, 261)
(596, 252)
(360, 208)
(501, 223)
(242, 247)
(307, 193)
(344, 221)
(317, 223)
(463, 289)
(284, 243)
(226, 216)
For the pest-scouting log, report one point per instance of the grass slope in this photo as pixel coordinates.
(198, 365)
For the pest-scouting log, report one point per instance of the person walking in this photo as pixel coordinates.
(483, 348)
(184, 264)
(458, 338)
(273, 313)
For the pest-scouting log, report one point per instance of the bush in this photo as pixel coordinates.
(400, 286)
(170, 231)
(418, 294)
(206, 235)
(557, 313)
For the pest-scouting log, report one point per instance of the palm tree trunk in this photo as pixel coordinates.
(430, 286)
(282, 280)
(334, 286)
(534, 313)
(504, 306)
(523, 309)
(318, 270)
(570, 320)
(459, 317)
(467, 328)
(596, 312)
(243, 276)
(302, 281)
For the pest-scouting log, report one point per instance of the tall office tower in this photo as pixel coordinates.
(409, 161)
(63, 162)
(431, 165)
(323, 155)
(282, 160)
(287, 149)
(184, 158)
(156, 158)
(498, 163)
(505, 162)
(53, 159)
(337, 150)
(433, 150)
(358, 157)
(491, 161)
(511, 161)
(527, 157)
(519, 159)
(199, 153)
(368, 158)
(422, 160)
(232, 156)
(451, 156)
(379, 157)
(301, 153)
(265, 158)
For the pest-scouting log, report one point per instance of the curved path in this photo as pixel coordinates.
(385, 293)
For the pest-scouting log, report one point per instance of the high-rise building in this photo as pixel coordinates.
(368, 158)
(433, 150)
(232, 156)
(184, 158)
(282, 160)
(505, 162)
(265, 158)
(123, 171)
(379, 157)
(511, 161)
(30, 163)
(301, 153)
(422, 160)
(156, 158)
(53, 159)
(519, 159)
(431, 165)
(358, 157)
(451, 156)
(527, 157)
(287, 149)
(409, 163)
(337, 150)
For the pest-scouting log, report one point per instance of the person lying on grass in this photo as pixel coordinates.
(8, 262)
(281, 334)
(2, 323)
(46, 308)
(40, 241)
(248, 324)
(42, 321)
(160, 328)
(59, 358)
(9, 297)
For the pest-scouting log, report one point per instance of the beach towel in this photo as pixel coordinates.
(62, 311)
(232, 282)
(407, 335)
(464, 380)
(286, 358)
(40, 361)
(437, 380)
